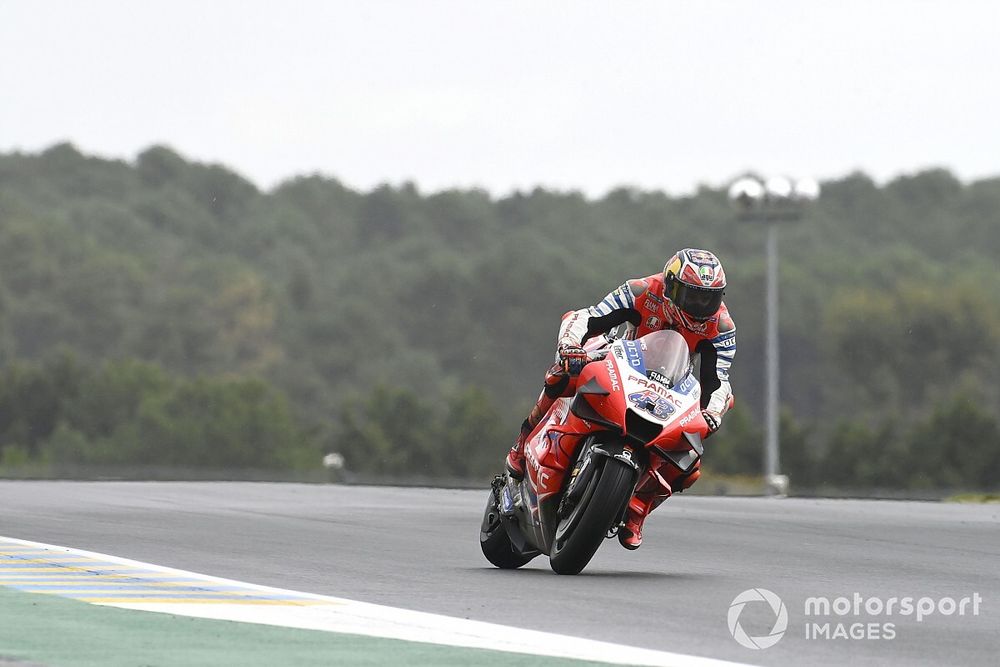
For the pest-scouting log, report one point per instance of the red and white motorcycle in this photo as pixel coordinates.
(634, 425)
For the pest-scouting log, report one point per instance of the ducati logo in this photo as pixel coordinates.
(653, 323)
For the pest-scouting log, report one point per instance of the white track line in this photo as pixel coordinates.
(334, 614)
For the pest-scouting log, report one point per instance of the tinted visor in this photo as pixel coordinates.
(698, 302)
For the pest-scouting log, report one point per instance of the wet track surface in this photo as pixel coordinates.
(418, 549)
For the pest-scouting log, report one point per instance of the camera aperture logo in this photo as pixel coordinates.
(780, 618)
(857, 617)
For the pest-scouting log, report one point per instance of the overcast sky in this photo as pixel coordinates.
(502, 95)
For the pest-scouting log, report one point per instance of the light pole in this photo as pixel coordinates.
(773, 201)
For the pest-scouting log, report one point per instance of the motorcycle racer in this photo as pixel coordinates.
(685, 297)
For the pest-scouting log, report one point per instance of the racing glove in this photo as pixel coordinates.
(713, 420)
(572, 358)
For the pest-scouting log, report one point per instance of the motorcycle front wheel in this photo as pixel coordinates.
(579, 535)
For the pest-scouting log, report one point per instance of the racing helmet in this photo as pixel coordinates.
(695, 282)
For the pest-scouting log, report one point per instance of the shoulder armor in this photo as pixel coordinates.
(638, 286)
(726, 323)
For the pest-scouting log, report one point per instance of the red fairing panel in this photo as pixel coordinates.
(550, 451)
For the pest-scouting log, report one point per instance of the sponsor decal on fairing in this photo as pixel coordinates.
(633, 355)
(652, 403)
(686, 385)
(613, 375)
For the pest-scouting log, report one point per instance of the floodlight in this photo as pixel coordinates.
(778, 187)
(807, 189)
(746, 192)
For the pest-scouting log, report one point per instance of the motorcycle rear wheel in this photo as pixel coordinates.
(597, 510)
(495, 541)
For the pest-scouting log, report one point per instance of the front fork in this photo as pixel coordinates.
(586, 466)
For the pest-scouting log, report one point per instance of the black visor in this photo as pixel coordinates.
(698, 302)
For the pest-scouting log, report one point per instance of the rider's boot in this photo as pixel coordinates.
(639, 507)
(515, 457)
(650, 493)
(630, 534)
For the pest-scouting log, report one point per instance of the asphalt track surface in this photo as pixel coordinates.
(418, 549)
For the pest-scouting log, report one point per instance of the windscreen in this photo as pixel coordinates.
(666, 356)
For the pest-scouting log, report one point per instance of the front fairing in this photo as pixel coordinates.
(600, 398)
(646, 390)
(656, 414)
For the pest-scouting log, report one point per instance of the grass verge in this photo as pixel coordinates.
(49, 630)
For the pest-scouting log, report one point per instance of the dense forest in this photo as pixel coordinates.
(164, 311)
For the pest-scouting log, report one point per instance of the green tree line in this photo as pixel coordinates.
(129, 412)
(410, 329)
